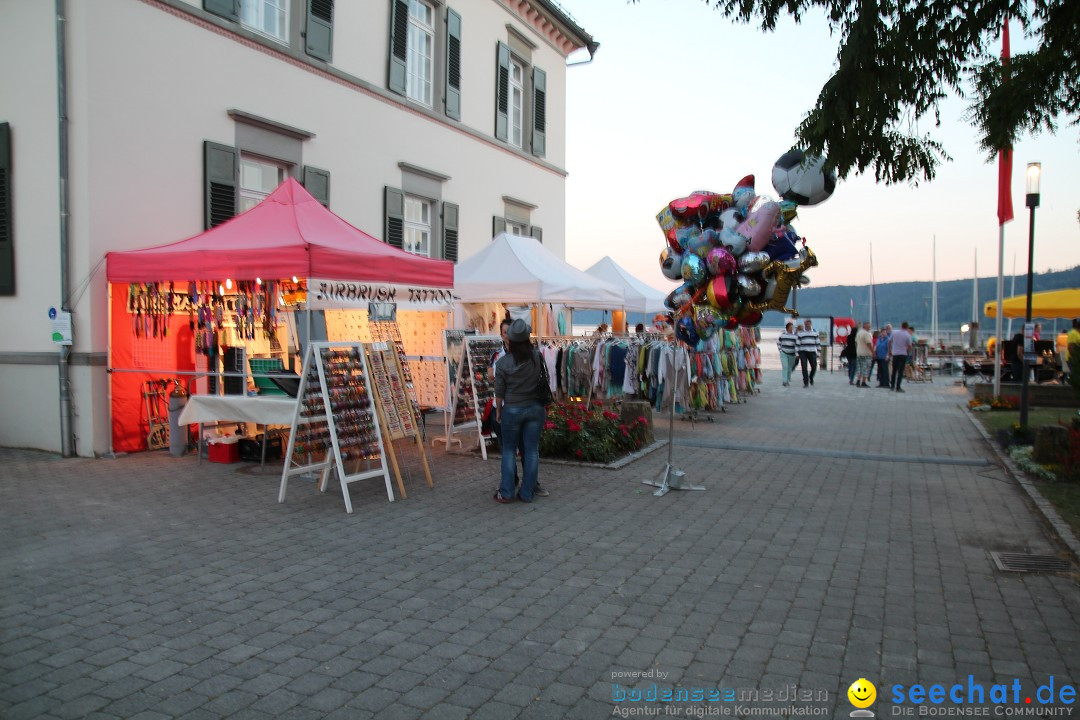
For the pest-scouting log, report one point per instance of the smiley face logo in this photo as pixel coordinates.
(862, 693)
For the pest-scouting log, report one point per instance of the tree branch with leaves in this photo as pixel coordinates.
(898, 59)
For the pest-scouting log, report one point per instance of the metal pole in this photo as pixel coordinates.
(67, 431)
(997, 323)
(1032, 202)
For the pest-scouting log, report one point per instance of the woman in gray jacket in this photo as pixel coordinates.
(519, 411)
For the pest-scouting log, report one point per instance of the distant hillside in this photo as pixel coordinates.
(910, 301)
(897, 302)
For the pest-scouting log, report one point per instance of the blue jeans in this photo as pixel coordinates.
(521, 428)
(852, 366)
(882, 372)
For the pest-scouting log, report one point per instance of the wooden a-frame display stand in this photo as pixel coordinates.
(472, 387)
(397, 410)
(335, 420)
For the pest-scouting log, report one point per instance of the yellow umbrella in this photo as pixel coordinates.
(1052, 304)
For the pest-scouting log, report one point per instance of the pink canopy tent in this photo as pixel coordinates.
(289, 233)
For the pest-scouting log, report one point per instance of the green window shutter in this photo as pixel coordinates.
(399, 44)
(502, 92)
(7, 225)
(317, 182)
(394, 217)
(450, 231)
(537, 233)
(453, 65)
(221, 179)
(498, 225)
(539, 126)
(320, 29)
(227, 9)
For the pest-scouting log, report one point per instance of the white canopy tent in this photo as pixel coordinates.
(520, 271)
(638, 297)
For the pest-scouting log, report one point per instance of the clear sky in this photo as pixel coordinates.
(679, 98)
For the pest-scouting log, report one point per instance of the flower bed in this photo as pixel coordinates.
(574, 431)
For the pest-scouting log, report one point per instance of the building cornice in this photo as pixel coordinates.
(553, 24)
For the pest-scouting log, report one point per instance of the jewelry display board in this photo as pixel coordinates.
(396, 407)
(474, 385)
(390, 333)
(453, 352)
(419, 333)
(335, 423)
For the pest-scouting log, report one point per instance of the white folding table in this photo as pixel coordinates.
(238, 408)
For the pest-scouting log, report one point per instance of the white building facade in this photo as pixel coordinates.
(130, 123)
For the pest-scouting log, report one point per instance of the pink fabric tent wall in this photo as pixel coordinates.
(289, 233)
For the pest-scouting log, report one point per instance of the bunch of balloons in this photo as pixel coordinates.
(736, 256)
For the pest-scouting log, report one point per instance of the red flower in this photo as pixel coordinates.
(598, 403)
(573, 426)
(625, 432)
(549, 425)
(641, 419)
(610, 415)
(579, 453)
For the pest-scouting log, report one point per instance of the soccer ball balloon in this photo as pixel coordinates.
(804, 184)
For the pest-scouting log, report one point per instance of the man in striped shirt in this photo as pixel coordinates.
(808, 342)
(787, 345)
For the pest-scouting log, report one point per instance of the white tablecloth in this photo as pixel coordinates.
(238, 408)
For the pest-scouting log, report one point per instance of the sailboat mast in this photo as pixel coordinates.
(933, 300)
(1012, 293)
(975, 303)
(873, 301)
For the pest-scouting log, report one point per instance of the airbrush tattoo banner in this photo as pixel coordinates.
(339, 295)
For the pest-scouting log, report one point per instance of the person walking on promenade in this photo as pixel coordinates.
(850, 355)
(787, 344)
(864, 353)
(519, 411)
(881, 356)
(808, 344)
(899, 349)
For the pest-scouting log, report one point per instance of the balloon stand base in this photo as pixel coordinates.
(671, 478)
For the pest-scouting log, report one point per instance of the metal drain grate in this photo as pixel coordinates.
(1022, 562)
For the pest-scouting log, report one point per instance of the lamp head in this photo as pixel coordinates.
(1034, 175)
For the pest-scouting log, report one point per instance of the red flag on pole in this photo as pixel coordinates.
(1005, 208)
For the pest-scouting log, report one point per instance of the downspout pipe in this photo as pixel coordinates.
(67, 434)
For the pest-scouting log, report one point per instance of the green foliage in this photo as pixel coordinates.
(898, 59)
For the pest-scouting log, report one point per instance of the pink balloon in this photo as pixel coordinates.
(758, 228)
(720, 262)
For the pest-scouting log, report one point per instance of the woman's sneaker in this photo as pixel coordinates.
(500, 499)
(538, 491)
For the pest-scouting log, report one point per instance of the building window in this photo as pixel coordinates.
(515, 227)
(417, 226)
(421, 53)
(258, 178)
(266, 17)
(517, 95)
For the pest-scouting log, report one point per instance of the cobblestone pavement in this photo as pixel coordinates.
(844, 534)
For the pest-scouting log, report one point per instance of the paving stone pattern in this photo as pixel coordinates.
(150, 587)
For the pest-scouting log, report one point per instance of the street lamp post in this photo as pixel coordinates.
(1034, 173)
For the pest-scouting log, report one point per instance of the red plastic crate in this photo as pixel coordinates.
(223, 452)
